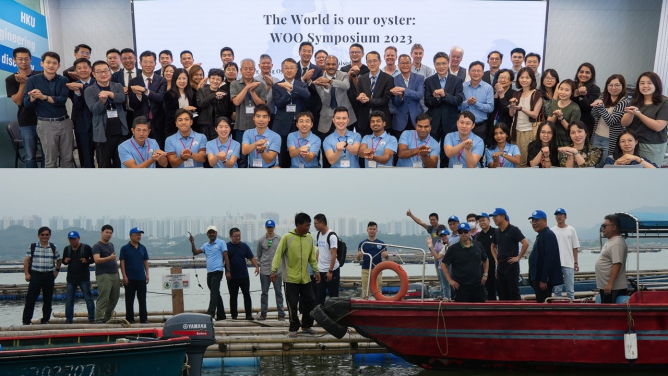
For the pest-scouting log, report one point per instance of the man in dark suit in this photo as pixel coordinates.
(355, 69)
(407, 92)
(165, 58)
(374, 94)
(148, 91)
(308, 73)
(494, 59)
(123, 77)
(443, 94)
(81, 115)
(290, 96)
(81, 51)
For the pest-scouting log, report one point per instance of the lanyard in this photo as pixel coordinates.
(229, 143)
(501, 159)
(378, 144)
(416, 140)
(138, 152)
(257, 153)
(184, 145)
(299, 145)
(250, 99)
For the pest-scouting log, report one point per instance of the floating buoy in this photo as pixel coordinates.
(630, 345)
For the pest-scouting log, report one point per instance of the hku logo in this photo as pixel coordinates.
(27, 19)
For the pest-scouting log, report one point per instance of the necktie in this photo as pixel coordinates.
(373, 84)
(127, 97)
(333, 103)
(129, 78)
(442, 80)
(304, 69)
(150, 112)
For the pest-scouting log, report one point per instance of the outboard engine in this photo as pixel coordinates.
(415, 291)
(199, 328)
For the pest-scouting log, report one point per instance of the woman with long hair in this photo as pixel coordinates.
(543, 152)
(525, 107)
(647, 115)
(579, 154)
(564, 111)
(197, 78)
(169, 72)
(627, 152)
(586, 93)
(502, 153)
(608, 111)
(548, 86)
(223, 151)
(181, 95)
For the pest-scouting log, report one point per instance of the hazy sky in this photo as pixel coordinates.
(379, 195)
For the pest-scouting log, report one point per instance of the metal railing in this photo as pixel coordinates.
(424, 262)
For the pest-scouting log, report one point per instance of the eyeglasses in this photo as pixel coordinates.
(604, 226)
(103, 71)
(547, 133)
(462, 232)
(355, 52)
(22, 59)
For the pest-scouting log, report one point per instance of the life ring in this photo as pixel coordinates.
(403, 279)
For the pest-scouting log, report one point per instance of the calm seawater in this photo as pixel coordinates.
(376, 364)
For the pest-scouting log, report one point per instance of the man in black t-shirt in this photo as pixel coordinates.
(78, 257)
(15, 85)
(355, 69)
(465, 258)
(504, 248)
(485, 237)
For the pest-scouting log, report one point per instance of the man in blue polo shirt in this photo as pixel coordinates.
(375, 253)
(463, 148)
(303, 145)
(185, 148)
(416, 147)
(342, 146)
(141, 151)
(237, 272)
(134, 268)
(261, 144)
(213, 250)
(379, 147)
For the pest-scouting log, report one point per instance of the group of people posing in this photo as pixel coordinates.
(404, 114)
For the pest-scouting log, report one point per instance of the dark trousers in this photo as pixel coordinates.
(541, 294)
(409, 127)
(242, 161)
(85, 149)
(322, 136)
(439, 135)
(612, 297)
(490, 284)
(107, 152)
(468, 294)
(215, 300)
(325, 287)
(284, 159)
(294, 294)
(233, 286)
(139, 288)
(509, 275)
(39, 282)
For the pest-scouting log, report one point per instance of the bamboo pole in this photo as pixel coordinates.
(169, 313)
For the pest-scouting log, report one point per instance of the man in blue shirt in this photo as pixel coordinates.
(463, 148)
(213, 250)
(262, 145)
(237, 272)
(417, 148)
(377, 252)
(186, 148)
(141, 151)
(303, 145)
(48, 94)
(379, 147)
(342, 146)
(134, 268)
(479, 98)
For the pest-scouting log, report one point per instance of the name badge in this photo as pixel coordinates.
(257, 163)
(417, 164)
(291, 108)
(372, 164)
(250, 110)
(112, 114)
(189, 163)
(301, 165)
(345, 163)
(458, 165)
(195, 114)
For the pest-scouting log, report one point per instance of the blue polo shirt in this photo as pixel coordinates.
(134, 261)
(372, 249)
(214, 255)
(251, 136)
(351, 138)
(177, 143)
(453, 139)
(237, 254)
(130, 150)
(509, 149)
(411, 139)
(313, 143)
(231, 148)
(380, 143)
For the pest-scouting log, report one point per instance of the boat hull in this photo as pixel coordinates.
(444, 334)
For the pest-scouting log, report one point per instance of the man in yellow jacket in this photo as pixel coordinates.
(294, 253)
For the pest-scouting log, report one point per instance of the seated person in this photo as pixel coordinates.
(628, 152)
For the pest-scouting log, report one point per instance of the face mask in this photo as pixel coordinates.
(472, 225)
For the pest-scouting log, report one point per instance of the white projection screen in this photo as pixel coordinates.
(276, 27)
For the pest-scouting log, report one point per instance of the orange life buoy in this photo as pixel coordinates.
(403, 279)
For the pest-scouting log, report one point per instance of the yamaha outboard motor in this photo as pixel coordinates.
(415, 291)
(199, 328)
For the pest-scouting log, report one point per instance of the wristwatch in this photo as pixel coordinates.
(484, 274)
(330, 270)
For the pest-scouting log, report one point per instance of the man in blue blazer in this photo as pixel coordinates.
(147, 93)
(81, 115)
(290, 96)
(123, 77)
(443, 93)
(408, 91)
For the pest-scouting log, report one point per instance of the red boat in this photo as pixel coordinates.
(443, 334)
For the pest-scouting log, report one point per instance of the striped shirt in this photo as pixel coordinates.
(44, 259)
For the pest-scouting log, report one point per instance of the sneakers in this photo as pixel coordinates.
(281, 317)
(292, 335)
(308, 331)
(261, 317)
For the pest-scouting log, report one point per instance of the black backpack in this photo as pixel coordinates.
(341, 248)
(32, 252)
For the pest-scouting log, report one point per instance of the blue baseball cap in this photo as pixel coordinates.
(560, 211)
(499, 211)
(270, 223)
(444, 232)
(136, 230)
(72, 235)
(482, 215)
(463, 226)
(538, 214)
(453, 219)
